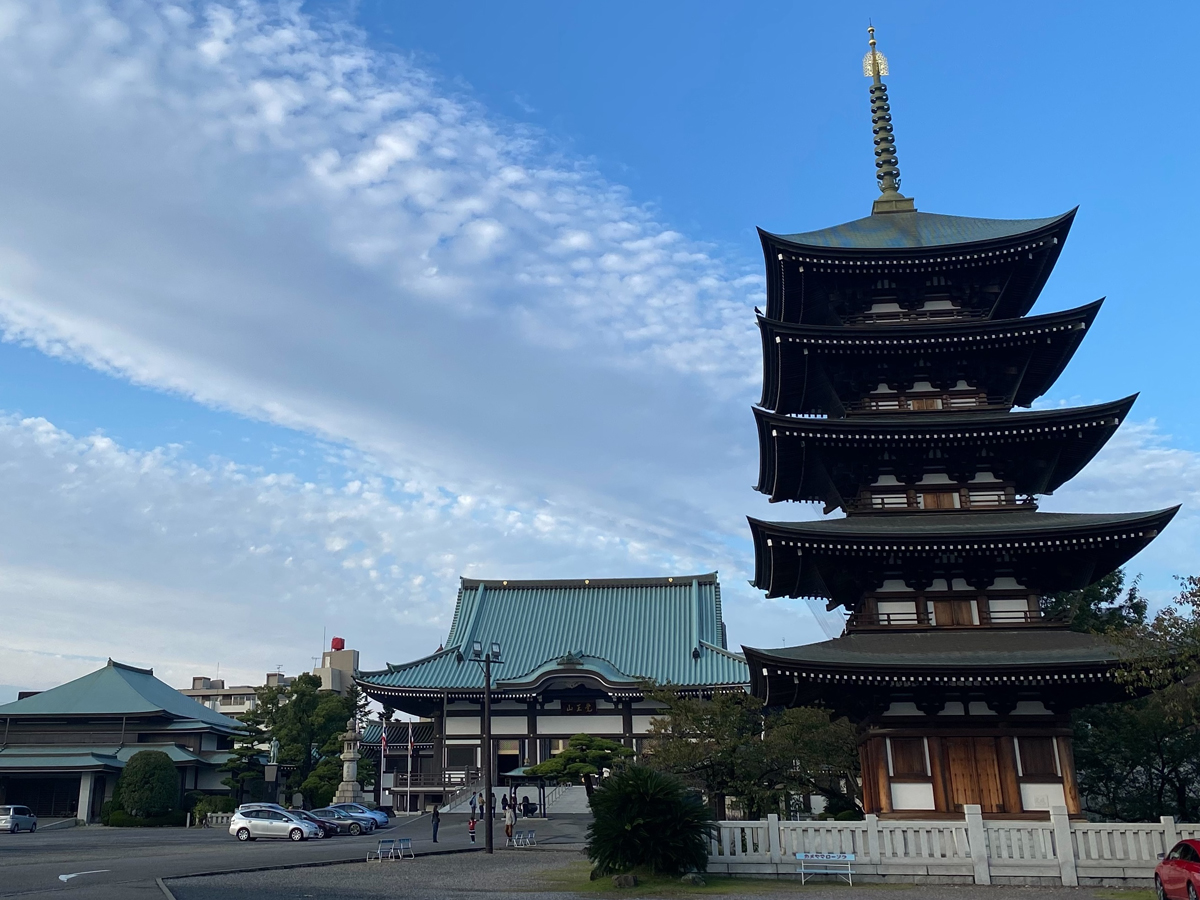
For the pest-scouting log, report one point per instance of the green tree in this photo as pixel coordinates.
(308, 723)
(1104, 606)
(1137, 761)
(730, 746)
(643, 818)
(584, 757)
(1140, 759)
(149, 784)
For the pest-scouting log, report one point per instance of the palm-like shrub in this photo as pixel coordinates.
(643, 818)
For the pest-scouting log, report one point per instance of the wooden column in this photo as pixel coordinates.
(941, 779)
(1009, 786)
(1066, 759)
(870, 784)
(877, 771)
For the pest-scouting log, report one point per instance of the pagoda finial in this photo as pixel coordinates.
(887, 173)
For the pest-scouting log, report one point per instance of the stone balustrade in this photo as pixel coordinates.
(972, 850)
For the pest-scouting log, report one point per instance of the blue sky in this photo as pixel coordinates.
(308, 310)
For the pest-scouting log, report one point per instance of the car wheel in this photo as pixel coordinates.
(14, 828)
(355, 829)
(296, 834)
(1191, 891)
(243, 834)
(33, 828)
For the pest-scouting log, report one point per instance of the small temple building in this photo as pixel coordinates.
(575, 657)
(895, 348)
(62, 750)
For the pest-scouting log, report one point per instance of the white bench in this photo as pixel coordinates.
(839, 864)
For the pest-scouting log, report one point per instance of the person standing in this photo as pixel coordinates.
(473, 802)
(471, 828)
(435, 820)
(510, 819)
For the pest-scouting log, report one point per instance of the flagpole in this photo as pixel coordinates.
(410, 759)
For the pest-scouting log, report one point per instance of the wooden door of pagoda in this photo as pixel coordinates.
(953, 612)
(974, 771)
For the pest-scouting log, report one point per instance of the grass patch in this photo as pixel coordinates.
(574, 878)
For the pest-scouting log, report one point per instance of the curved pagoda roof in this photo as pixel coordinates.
(842, 559)
(615, 632)
(829, 460)
(1053, 661)
(823, 369)
(913, 230)
(821, 277)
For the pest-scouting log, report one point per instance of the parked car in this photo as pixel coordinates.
(251, 824)
(357, 809)
(328, 828)
(17, 818)
(346, 822)
(260, 805)
(1177, 875)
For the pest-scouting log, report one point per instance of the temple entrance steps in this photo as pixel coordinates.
(570, 799)
(460, 800)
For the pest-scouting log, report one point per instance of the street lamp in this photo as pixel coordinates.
(485, 661)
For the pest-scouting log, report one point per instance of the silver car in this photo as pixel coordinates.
(251, 824)
(17, 818)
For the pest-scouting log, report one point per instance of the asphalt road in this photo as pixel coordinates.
(97, 863)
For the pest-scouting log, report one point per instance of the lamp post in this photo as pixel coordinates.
(485, 661)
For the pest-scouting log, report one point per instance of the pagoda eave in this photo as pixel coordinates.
(908, 244)
(811, 369)
(842, 559)
(824, 459)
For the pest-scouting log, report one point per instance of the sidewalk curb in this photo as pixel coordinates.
(301, 865)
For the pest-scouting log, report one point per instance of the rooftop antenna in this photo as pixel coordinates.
(890, 200)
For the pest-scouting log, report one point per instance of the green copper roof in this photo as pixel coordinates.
(120, 690)
(619, 631)
(898, 231)
(56, 756)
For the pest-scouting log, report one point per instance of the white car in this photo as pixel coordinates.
(251, 824)
(17, 818)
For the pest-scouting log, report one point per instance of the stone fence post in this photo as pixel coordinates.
(1170, 833)
(873, 838)
(977, 839)
(773, 838)
(1064, 845)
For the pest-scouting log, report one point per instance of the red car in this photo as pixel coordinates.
(1177, 875)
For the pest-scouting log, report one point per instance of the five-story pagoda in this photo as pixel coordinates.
(894, 350)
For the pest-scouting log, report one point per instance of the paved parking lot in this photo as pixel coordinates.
(103, 863)
(118, 863)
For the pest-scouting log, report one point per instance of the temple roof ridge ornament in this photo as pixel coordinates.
(887, 173)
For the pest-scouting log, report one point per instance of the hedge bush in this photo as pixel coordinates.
(118, 818)
(149, 785)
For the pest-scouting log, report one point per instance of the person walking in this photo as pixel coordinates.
(471, 828)
(435, 820)
(510, 819)
(473, 802)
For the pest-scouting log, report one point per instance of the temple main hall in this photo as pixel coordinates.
(895, 350)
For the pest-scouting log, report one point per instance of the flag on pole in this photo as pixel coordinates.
(383, 740)
(412, 748)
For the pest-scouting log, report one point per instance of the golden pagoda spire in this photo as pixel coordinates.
(887, 173)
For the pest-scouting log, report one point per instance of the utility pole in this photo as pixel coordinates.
(485, 661)
(488, 827)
